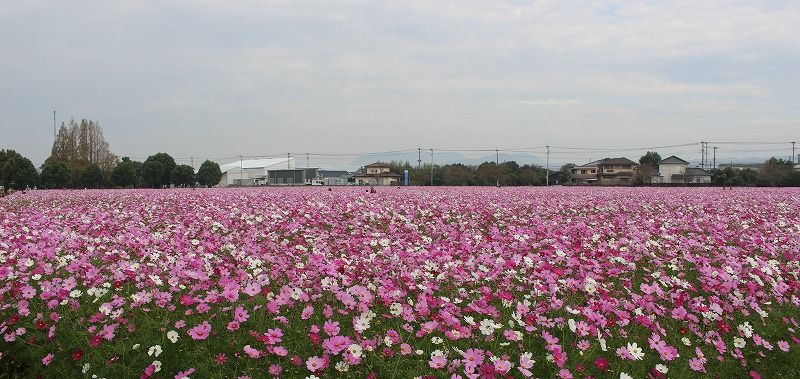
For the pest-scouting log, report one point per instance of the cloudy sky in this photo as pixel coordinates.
(213, 79)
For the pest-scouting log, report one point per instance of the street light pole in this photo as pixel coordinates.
(547, 179)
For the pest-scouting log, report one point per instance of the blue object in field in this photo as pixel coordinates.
(405, 177)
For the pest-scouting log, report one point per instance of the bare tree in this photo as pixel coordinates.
(81, 145)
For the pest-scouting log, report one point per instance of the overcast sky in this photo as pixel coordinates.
(215, 79)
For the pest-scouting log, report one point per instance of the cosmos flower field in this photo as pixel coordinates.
(403, 283)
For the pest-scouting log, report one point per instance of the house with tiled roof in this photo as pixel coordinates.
(607, 171)
(377, 174)
(674, 170)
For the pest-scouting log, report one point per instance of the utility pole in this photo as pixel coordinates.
(431, 167)
(497, 164)
(192, 158)
(793, 156)
(308, 165)
(547, 179)
(241, 170)
(419, 158)
(702, 155)
(714, 165)
(288, 159)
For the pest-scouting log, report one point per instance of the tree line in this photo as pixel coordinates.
(81, 158)
(508, 173)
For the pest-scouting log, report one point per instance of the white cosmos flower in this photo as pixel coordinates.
(739, 342)
(342, 366)
(154, 351)
(355, 350)
(635, 351)
(172, 336)
(624, 375)
(662, 368)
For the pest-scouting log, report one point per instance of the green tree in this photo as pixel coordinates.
(92, 177)
(458, 174)
(209, 174)
(17, 171)
(165, 165)
(648, 167)
(152, 171)
(776, 172)
(183, 175)
(125, 173)
(55, 174)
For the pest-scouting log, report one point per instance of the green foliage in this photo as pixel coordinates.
(650, 157)
(126, 174)
(183, 176)
(508, 173)
(152, 171)
(16, 171)
(92, 177)
(157, 170)
(209, 174)
(776, 171)
(55, 174)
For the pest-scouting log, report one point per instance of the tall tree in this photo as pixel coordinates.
(209, 174)
(16, 171)
(55, 174)
(166, 164)
(82, 144)
(183, 175)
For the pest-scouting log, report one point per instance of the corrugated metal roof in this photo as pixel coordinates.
(254, 163)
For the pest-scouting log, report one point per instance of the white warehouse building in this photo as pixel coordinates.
(251, 172)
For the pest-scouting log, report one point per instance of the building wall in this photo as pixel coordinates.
(666, 170)
(381, 181)
(377, 170)
(584, 174)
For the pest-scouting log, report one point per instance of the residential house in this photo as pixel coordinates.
(674, 170)
(377, 174)
(585, 174)
(617, 171)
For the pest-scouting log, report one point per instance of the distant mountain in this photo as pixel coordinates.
(445, 157)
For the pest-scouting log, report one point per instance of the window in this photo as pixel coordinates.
(593, 172)
(583, 171)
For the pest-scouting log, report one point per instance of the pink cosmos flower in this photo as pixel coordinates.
(331, 328)
(47, 359)
(473, 357)
(200, 331)
(315, 364)
(280, 351)
(240, 314)
(437, 362)
(275, 369)
(252, 353)
(184, 374)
